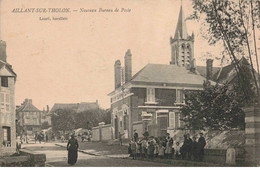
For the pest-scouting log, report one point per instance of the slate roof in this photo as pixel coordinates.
(27, 106)
(173, 74)
(78, 107)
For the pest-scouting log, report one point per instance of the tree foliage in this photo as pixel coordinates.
(68, 120)
(63, 120)
(217, 107)
(232, 22)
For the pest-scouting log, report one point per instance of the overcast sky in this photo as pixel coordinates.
(72, 61)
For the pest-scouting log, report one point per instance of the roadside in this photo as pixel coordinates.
(114, 150)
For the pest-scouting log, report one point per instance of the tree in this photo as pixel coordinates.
(45, 125)
(63, 120)
(233, 23)
(216, 108)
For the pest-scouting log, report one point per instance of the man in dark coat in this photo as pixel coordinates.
(194, 149)
(189, 147)
(72, 148)
(201, 145)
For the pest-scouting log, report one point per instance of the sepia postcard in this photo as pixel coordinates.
(129, 83)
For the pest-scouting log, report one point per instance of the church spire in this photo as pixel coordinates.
(181, 27)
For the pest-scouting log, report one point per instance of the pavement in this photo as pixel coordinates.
(56, 154)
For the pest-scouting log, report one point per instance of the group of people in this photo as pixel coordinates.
(167, 148)
(40, 137)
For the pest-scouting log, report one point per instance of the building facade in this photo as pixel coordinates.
(7, 112)
(30, 119)
(151, 99)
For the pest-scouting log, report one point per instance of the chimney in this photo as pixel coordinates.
(209, 69)
(117, 68)
(30, 101)
(47, 109)
(128, 66)
(2, 50)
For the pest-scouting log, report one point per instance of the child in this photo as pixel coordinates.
(156, 149)
(168, 150)
(138, 148)
(161, 151)
(144, 148)
(150, 149)
(133, 148)
(177, 151)
(129, 149)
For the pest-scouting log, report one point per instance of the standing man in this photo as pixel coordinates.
(194, 149)
(189, 146)
(135, 136)
(201, 145)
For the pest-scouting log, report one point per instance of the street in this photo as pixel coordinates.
(57, 156)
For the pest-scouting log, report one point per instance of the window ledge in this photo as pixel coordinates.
(151, 102)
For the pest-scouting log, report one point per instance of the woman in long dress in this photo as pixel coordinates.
(72, 148)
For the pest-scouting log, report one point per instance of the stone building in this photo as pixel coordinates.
(151, 99)
(30, 118)
(7, 112)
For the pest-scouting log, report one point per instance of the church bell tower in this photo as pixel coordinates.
(182, 45)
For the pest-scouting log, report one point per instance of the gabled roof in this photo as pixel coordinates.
(8, 67)
(227, 73)
(27, 106)
(181, 29)
(77, 107)
(172, 74)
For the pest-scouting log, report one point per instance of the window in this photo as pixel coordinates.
(5, 102)
(172, 119)
(150, 94)
(6, 137)
(4, 81)
(179, 96)
(121, 124)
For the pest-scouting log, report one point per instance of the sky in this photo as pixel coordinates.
(72, 61)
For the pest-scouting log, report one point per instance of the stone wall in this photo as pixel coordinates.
(95, 134)
(102, 132)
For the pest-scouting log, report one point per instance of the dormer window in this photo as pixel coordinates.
(188, 46)
(4, 81)
(183, 46)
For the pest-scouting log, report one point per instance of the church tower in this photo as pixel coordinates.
(182, 45)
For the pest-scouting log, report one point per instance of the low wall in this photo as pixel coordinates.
(95, 134)
(25, 159)
(106, 132)
(217, 156)
(102, 132)
(36, 159)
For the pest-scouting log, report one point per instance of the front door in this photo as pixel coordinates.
(162, 122)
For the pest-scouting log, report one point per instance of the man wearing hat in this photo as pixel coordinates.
(201, 145)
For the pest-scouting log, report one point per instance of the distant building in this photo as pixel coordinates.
(151, 99)
(30, 118)
(7, 110)
(77, 107)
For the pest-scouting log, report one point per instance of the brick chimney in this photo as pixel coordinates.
(117, 70)
(2, 50)
(209, 69)
(128, 66)
(48, 109)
